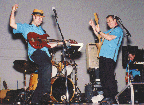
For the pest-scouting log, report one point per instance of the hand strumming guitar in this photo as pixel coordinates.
(91, 23)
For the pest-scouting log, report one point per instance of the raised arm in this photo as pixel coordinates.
(91, 23)
(12, 17)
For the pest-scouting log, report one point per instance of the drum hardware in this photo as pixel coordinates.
(24, 97)
(21, 99)
(25, 67)
(60, 66)
(58, 69)
(77, 90)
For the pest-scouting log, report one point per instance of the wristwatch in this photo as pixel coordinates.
(99, 32)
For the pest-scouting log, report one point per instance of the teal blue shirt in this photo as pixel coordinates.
(25, 29)
(110, 49)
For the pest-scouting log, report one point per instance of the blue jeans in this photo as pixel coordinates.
(44, 74)
(107, 77)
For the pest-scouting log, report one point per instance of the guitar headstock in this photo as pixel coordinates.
(96, 17)
(72, 41)
(5, 85)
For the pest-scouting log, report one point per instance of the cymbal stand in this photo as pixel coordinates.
(25, 87)
(20, 97)
(63, 54)
(77, 90)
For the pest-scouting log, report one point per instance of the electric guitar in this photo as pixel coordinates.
(99, 44)
(126, 77)
(39, 41)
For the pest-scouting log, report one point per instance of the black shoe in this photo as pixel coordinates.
(46, 99)
(108, 101)
(34, 104)
(105, 100)
(114, 102)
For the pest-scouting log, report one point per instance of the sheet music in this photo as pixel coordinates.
(140, 63)
(79, 44)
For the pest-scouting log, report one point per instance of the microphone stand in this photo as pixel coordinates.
(127, 32)
(64, 57)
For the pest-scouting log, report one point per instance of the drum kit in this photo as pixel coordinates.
(59, 88)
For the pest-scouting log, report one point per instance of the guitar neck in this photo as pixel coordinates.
(53, 40)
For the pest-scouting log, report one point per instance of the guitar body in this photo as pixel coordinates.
(126, 77)
(38, 41)
(98, 45)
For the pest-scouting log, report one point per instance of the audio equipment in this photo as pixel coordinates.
(91, 54)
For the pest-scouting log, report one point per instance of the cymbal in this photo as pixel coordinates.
(25, 66)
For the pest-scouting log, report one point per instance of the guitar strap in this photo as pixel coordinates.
(117, 43)
(113, 29)
(44, 31)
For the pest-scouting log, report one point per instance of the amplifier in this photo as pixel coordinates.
(91, 54)
(133, 93)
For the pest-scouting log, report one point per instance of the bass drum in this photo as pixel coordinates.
(58, 89)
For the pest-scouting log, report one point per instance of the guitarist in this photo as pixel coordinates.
(41, 56)
(108, 56)
(134, 73)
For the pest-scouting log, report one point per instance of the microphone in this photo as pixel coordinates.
(53, 8)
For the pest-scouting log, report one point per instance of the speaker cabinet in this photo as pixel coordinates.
(92, 60)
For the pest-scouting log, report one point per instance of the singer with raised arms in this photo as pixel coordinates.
(40, 56)
(108, 56)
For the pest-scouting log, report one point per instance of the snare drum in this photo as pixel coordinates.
(58, 89)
